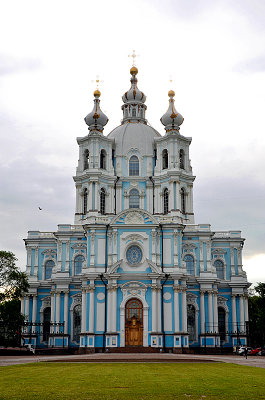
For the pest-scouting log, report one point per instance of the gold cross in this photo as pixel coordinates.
(170, 80)
(97, 81)
(133, 55)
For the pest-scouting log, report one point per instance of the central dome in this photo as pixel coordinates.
(134, 135)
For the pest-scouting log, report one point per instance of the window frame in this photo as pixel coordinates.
(187, 266)
(182, 159)
(131, 195)
(50, 268)
(102, 201)
(165, 201)
(165, 159)
(85, 201)
(133, 170)
(183, 200)
(218, 270)
(75, 261)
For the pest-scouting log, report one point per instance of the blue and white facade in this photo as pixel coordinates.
(134, 269)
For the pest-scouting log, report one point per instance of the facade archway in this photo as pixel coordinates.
(134, 323)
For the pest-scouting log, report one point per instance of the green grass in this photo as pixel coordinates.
(131, 381)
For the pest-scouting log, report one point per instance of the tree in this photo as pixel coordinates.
(257, 316)
(11, 321)
(13, 282)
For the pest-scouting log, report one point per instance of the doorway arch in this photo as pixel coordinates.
(134, 322)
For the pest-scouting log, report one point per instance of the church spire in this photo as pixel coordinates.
(172, 119)
(96, 119)
(134, 107)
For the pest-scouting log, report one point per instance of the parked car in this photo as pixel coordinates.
(254, 352)
(261, 352)
(241, 350)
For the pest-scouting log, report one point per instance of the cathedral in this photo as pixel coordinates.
(134, 270)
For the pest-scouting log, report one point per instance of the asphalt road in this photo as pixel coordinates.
(253, 361)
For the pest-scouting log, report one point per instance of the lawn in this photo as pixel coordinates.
(131, 381)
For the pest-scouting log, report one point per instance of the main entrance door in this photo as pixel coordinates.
(134, 323)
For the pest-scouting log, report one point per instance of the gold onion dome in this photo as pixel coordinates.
(96, 119)
(171, 119)
(134, 71)
(134, 95)
(97, 93)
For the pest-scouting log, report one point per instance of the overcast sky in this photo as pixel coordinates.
(51, 51)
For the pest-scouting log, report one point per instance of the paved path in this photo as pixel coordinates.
(135, 357)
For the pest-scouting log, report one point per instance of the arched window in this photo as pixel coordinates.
(102, 201)
(191, 322)
(219, 265)
(133, 112)
(78, 264)
(103, 159)
(76, 323)
(86, 159)
(221, 323)
(48, 269)
(134, 199)
(165, 200)
(181, 159)
(134, 166)
(85, 202)
(46, 323)
(189, 260)
(164, 159)
(182, 201)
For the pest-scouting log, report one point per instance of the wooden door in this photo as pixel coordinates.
(134, 323)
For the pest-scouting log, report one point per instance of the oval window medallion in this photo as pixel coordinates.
(134, 255)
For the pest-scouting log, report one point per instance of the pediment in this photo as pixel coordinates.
(218, 251)
(134, 217)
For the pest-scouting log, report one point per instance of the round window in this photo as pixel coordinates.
(134, 255)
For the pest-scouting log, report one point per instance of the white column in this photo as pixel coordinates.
(215, 312)
(109, 307)
(176, 309)
(26, 308)
(89, 199)
(58, 301)
(114, 310)
(92, 247)
(96, 196)
(234, 313)
(154, 309)
(246, 308)
(91, 308)
(83, 320)
(202, 311)
(158, 299)
(171, 197)
(52, 312)
(184, 311)
(65, 315)
(210, 310)
(242, 319)
(34, 312)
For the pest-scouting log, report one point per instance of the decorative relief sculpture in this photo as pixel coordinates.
(134, 217)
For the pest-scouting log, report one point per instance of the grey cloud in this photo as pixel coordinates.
(233, 203)
(26, 184)
(256, 64)
(11, 65)
(252, 10)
